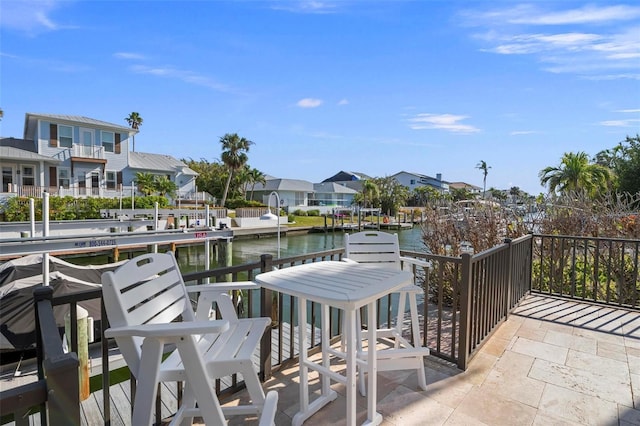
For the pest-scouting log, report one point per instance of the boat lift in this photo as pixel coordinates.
(83, 243)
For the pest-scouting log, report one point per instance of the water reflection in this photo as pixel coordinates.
(192, 259)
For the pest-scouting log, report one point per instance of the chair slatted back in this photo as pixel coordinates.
(146, 290)
(374, 247)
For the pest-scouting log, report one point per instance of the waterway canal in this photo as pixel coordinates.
(245, 250)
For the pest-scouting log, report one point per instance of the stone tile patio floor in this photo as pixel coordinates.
(553, 362)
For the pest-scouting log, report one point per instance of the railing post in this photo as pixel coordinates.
(266, 265)
(532, 239)
(507, 301)
(465, 312)
(61, 370)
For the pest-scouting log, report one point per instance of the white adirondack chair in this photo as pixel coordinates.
(148, 307)
(383, 249)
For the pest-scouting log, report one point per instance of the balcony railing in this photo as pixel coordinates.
(88, 151)
(466, 298)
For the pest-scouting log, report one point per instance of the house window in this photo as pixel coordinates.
(65, 136)
(299, 198)
(63, 178)
(110, 178)
(413, 182)
(108, 139)
(7, 178)
(82, 183)
(28, 178)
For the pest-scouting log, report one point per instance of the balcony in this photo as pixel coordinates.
(87, 152)
(531, 340)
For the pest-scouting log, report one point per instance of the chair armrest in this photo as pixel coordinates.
(172, 329)
(218, 287)
(416, 261)
(269, 410)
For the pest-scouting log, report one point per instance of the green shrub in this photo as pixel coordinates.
(313, 213)
(300, 213)
(240, 202)
(16, 209)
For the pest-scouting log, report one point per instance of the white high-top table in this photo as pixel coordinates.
(347, 286)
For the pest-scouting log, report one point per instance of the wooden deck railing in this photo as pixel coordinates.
(466, 298)
(55, 395)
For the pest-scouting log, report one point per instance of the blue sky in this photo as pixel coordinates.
(375, 87)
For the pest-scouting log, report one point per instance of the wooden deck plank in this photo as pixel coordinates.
(92, 410)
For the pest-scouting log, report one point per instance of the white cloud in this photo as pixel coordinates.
(305, 6)
(183, 75)
(584, 15)
(537, 15)
(129, 55)
(621, 123)
(309, 103)
(31, 16)
(343, 102)
(448, 122)
(593, 41)
(522, 132)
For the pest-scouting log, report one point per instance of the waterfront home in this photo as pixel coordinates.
(351, 180)
(81, 157)
(415, 180)
(297, 194)
(332, 194)
(473, 189)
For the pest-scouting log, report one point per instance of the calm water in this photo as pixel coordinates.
(192, 259)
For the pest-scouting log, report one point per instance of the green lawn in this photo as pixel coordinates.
(318, 221)
(309, 221)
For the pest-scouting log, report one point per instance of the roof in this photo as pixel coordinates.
(25, 144)
(31, 119)
(158, 162)
(343, 176)
(419, 175)
(296, 185)
(11, 153)
(464, 185)
(333, 187)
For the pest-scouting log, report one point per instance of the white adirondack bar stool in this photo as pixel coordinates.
(148, 307)
(383, 249)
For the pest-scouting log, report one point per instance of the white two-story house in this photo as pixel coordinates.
(81, 157)
(415, 180)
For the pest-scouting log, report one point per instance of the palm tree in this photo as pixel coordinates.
(574, 174)
(256, 176)
(234, 149)
(135, 121)
(165, 186)
(514, 191)
(482, 165)
(146, 182)
(369, 188)
(1, 114)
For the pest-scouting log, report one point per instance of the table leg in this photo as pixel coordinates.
(302, 342)
(373, 418)
(326, 360)
(350, 322)
(308, 409)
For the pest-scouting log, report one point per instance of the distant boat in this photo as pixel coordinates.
(18, 279)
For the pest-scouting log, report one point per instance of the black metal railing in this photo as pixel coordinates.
(465, 299)
(596, 270)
